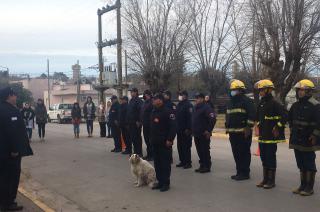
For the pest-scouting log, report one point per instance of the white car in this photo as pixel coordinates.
(60, 112)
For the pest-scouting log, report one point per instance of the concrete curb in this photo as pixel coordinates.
(35, 200)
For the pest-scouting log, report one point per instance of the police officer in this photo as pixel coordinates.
(162, 134)
(203, 121)
(239, 122)
(304, 121)
(167, 101)
(14, 144)
(271, 117)
(134, 122)
(145, 119)
(123, 124)
(114, 123)
(184, 131)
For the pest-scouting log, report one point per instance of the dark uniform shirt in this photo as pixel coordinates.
(13, 134)
(304, 121)
(240, 114)
(203, 119)
(114, 113)
(271, 114)
(184, 115)
(163, 126)
(170, 105)
(123, 114)
(146, 111)
(134, 109)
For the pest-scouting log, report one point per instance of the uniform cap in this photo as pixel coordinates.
(159, 96)
(168, 93)
(134, 90)
(199, 95)
(147, 92)
(114, 97)
(304, 84)
(183, 93)
(6, 92)
(124, 98)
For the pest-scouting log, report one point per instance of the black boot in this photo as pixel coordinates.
(156, 186)
(271, 176)
(264, 180)
(302, 183)
(308, 190)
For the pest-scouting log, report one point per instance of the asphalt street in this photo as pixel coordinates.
(88, 177)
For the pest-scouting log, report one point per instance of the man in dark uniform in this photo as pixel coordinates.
(14, 144)
(271, 117)
(203, 121)
(167, 101)
(162, 134)
(123, 124)
(304, 121)
(134, 122)
(114, 123)
(184, 131)
(240, 118)
(145, 119)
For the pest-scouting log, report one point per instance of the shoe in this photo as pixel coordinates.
(164, 188)
(308, 190)
(233, 177)
(109, 136)
(198, 169)
(117, 150)
(12, 207)
(302, 183)
(242, 177)
(271, 179)
(264, 180)
(113, 150)
(204, 170)
(180, 165)
(187, 166)
(156, 186)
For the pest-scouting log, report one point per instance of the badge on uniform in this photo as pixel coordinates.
(172, 117)
(211, 115)
(156, 120)
(14, 118)
(174, 107)
(190, 110)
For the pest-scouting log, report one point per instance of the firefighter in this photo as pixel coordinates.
(304, 122)
(271, 117)
(203, 121)
(239, 123)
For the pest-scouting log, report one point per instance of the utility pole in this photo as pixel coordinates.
(119, 49)
(76, 78)
(48, 69)
(126, 70)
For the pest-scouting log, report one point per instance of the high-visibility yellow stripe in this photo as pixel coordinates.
(235, 129)
(236, 110)
(303, 123)
(271, 141)
(280, 124)
(250, 122)
(272, 117)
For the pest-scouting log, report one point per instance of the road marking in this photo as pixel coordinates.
(35, 200)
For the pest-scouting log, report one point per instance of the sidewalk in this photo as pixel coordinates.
(28, 205)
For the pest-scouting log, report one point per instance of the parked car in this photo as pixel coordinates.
(60, 112)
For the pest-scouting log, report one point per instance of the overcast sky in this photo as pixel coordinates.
(61, 30)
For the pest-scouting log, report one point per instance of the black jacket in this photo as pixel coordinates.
(85, 111)
(13, 134)
(146, 111)
(162, 126)
(271, 114)
(304, 121)
(134, 109)
(114, 114)
(27, 115)
(203, 119)
(76, 113)
(41, 114)
(170, 105)
(240, 114)
(123, 114)
(184, 115)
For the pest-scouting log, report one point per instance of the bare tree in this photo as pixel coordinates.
(157, 34)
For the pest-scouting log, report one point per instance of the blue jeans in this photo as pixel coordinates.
(29, 132)
(76, 128)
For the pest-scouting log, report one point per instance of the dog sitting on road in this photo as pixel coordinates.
(142, 170)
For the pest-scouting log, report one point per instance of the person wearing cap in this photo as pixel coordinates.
(14, 144)
(167, 101)
(89, 111)
(114, 123)
(101, 113)
(162, 134)
(134, 122)
(271, 117)
(145, 119)
(123, 123)
(203, 121)
(304, 122)
(184, 132)
(240, 117)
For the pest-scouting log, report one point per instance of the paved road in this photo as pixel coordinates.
(88, 175)
(28, 205)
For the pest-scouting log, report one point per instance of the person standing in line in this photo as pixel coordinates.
(14, 145)
(124, 125)
(89, 111)
(102, 119)
(208, 101)
(145, 120)
(41, 118)
(28, 117)
(114, 123)
(76, 119)
(107, 119)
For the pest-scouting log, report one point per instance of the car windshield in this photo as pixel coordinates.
(65, 106)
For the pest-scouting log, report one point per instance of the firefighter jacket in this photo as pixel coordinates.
(271, 115)
(304, 121)
(240, 114)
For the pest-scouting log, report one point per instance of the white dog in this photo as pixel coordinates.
(142, 170)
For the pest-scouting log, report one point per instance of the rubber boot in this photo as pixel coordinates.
(302, 183)
(271, 176)
(308, 190)
(264, 181)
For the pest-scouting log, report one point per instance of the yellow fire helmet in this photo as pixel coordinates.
(304, 84)
(265, 83)
(237, 84)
